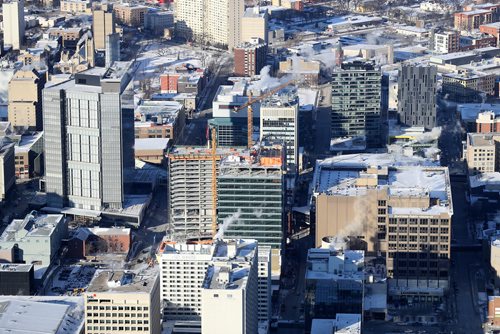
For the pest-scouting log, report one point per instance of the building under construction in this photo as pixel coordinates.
(191, 197)
(279, 119)
(250, 193)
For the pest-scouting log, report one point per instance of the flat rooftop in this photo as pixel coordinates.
(39, 225)
(17, 267)
(41, 314)
(119, 281)
(331, 264)
(151, 143)
(483, 139)
(401, 176)
(344, 323)
(470, 111)
(232, 263)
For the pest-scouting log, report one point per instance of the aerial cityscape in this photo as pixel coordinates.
(250, 166)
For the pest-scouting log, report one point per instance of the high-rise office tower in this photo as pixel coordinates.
(230, 291)
(13, 23)
(250, 197)
(103, 25)
(394, 207)
(87, 144)
(417, 95)
(25, 98)
(356, 102)
(279, 120)
(215, 22)
(185, 265)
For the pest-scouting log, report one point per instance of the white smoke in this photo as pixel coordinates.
(267, 81)
(325, 56)
(363, 211)
(225, 224)
(373, 37)
(432, 152)
(427, 137)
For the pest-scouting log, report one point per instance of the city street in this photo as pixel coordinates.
(465, 266)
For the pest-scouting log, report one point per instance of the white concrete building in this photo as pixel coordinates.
(230, 290)
(123, 302)
(279, 119)
(38, 236)
(215, 22)
(184, 267)
(446, 41)
(13, 23)
(254, 24)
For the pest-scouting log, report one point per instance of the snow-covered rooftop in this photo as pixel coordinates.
(40, 314)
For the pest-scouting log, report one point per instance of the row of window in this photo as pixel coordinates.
(118, 308)
(117, 328)
(421, 229)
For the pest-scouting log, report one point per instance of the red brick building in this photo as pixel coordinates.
(494, 310)
(492, 29)
(487, 122)
(249, 59)
(473, 19)
(169, 82)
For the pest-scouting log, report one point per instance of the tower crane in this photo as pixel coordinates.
(249, 105)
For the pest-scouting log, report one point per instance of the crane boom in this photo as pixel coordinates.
(251, 101)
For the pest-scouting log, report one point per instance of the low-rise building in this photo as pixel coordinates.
(159, 119)
(111, 294)
(69, 36)
(29, 156)
(470, 20)
(130, 15)
(494, 310)
(157, 21)
(39, 237)
(487, 122)
(307, 69)
(16, 279)
(466, 85)
(344, 323)
(445, 41)
(483, 152)
(76, 6)
(152, 150)
(41, 314)
(334, 283)
(412, 31)
(472, 41)
(492, 29)
(469, 113)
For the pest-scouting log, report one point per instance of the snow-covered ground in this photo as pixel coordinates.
(71, 277)
(157, 58)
